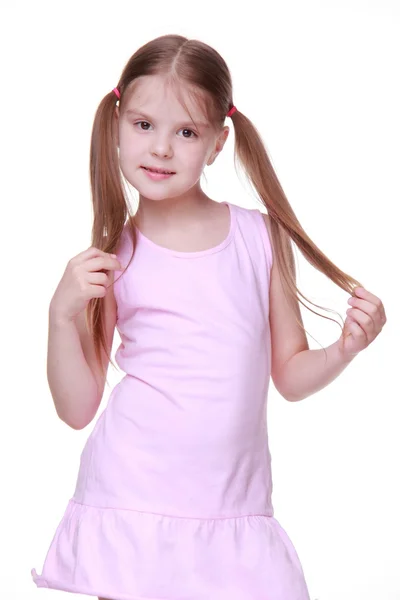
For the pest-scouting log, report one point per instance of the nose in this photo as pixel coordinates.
(161, 146)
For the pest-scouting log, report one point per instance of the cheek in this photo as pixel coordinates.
(128, 140)
(127, 144)
(129, 155)
(125, 162)
(129, 161)
(194, 161)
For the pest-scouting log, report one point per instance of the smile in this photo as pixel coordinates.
(157, 175)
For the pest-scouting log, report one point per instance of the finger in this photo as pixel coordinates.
(366, 295)
(357, 330)
(91, 252)
(366, 306)
(362, 293)
(364, 321)
(106, 263)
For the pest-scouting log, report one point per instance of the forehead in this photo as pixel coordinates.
(158, 95)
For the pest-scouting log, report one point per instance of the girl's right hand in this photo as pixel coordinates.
(84, 278)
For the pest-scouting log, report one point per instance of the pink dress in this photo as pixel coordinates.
(173, 497)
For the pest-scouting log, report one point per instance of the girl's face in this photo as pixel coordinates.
(155, 131)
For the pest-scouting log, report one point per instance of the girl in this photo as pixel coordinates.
(173, 496)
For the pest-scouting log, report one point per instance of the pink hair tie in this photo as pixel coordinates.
(116, 91)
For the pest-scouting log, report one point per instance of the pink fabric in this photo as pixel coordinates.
(173, 497)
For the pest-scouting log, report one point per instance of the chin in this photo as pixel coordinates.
(159, 192)
(159, 195)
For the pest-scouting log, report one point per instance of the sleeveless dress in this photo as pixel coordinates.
(173, 496)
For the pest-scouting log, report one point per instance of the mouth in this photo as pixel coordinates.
(159, 171)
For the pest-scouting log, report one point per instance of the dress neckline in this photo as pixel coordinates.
(198, 253)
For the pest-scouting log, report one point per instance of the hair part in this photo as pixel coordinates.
(194, 68)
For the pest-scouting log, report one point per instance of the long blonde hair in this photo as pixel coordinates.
(206, 75)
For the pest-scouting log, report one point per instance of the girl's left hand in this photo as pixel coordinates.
(364, 322)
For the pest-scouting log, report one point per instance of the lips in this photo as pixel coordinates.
(157, 170)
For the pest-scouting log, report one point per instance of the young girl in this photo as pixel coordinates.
(173, 497)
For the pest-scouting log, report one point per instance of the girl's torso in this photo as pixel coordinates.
(185, 431)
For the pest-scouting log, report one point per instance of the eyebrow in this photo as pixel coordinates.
(132, 111)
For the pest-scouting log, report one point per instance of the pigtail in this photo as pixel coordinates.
(251, 155)
(110, 209)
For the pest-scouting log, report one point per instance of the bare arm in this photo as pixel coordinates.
(75, 380)
(309, 371)
(297, 371)
(71, 381)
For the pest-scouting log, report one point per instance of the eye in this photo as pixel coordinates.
(189, 131)
(145, 126)
(145, 122)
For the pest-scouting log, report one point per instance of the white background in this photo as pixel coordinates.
(320, 80)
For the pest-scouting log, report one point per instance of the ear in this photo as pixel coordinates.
(219, 144)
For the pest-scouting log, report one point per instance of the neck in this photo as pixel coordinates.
(172, 210)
